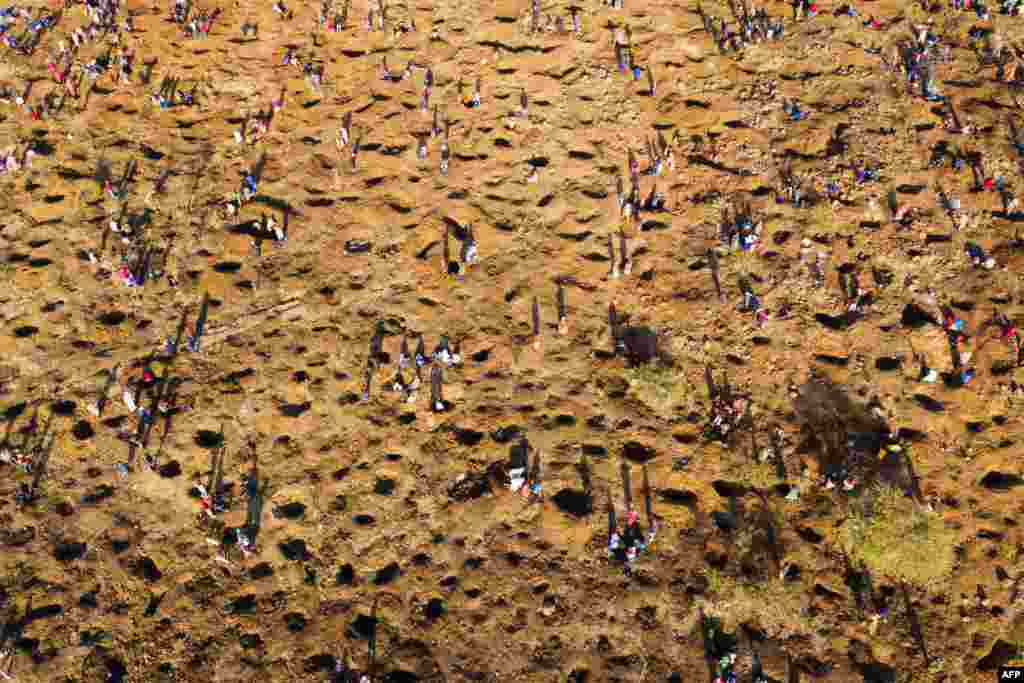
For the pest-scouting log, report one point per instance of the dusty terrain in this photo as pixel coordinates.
(493, 587)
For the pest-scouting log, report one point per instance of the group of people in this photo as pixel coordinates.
(752, 26)
(626, 544)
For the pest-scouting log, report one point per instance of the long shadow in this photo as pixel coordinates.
(371, 641)
(172, 395)
(704, 161)
(41, 443)
(215, 483)
(915, 624)
(140, 387)
(158, 396)
(274, 203)
(179, 336)
(39, 468)
(29, 431)
(14, 624)
(127, 177)
(256, 494)
(101, 402)
(197, 333)
(648, 501)
(765, 520)
(249, 228)
(257, 169)
(792, 674)
(777, 446)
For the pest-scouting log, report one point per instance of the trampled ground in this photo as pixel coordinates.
(490, 586)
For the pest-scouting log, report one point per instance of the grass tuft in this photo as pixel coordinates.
(895, 538)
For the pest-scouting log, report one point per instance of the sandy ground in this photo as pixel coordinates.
(526, 591)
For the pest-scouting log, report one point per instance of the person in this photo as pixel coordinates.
(614, 543)
(959, 340)
(248, 186)
(950, 322)
(926, 374)
(444, 354)
(206, 505)
(750, 302)
(468, 254)
(25, 494)
(245, 544)
(793, 110)
(1009, 333)
(978, 256)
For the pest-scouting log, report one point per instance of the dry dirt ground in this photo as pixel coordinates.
(493, 587)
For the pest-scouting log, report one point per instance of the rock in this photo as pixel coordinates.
(387, 574)
(678, 496)
(64, 407)
(434, 609)
(250, 641)
(112, 318)
(17, 537)
(294, 409)
(1000, 481)
(468, 437)
(295, 622)
(362, 627)
(99, 494)
(243, 604)
(294, 549)
(574, 502)
(262, 570)
(346, 575)
(170, 470)
(321, 663)
(911, 435)
(887, 364)
(209, 439)
(724, 521)
(145, 568)
(83, 430)
(637, 452)
(728, 489)
(293, 510)
(930, 404)
(67, 551)
(508, 434)
(808, 534)
(916, 317)
(469, 486)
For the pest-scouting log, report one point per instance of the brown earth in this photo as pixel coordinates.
(526, 590)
